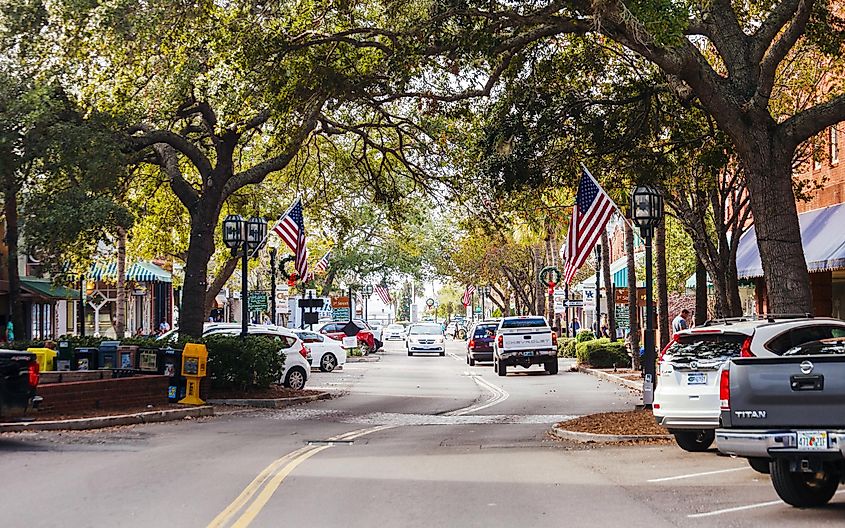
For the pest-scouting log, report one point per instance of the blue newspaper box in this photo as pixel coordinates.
(108, 356)
(85, 358)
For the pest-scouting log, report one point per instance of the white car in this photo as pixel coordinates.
(425, 337)
(394, 331)
(297, 360)
(326, 354)
(524, 341)
(686, 400)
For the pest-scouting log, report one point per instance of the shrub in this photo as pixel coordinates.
(585, 335)
(566, 347)
(603, 353)
(241, 363)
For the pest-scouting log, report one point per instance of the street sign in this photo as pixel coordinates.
(623, 319)
(574, 303)
(429, 302)
(340, 314)
(257, 302)
(621, 295)
(310, 303)
(589, 299)
(340, 302)
(478, 309)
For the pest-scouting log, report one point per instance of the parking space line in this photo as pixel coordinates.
(742, 508)
(702, 474)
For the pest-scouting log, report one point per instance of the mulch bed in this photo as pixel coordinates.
(272, 393)
(616, 423)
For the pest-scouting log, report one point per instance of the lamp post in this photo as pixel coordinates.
(646, 212)
(368, 292)
(272, 251)
(598, 289)
(245, 236)
(484, 291)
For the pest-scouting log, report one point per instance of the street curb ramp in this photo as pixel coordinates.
(99, 422)
(275, 403)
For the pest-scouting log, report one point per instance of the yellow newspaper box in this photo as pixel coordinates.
(46, 357)
(194, 363)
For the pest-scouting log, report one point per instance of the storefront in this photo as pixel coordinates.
(823, 238)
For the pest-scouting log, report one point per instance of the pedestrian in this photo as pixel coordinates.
(163, 327)
(681, 321)
(139, 332)
(10, 331)
(576, 325)
(605, 331)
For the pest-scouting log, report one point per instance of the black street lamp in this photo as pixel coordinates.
(245, 236)
(598, 289)
(646, 212)
(367, 290)
(485, 292)
(272, 252)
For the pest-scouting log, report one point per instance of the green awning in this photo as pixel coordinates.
(45, 288)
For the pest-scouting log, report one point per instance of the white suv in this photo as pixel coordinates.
(686, 400)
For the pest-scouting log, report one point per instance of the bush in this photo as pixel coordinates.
(566, 347)
(603, 353)
(241, 363)
(585, 335)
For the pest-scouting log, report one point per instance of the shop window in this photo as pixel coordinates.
(834, 145)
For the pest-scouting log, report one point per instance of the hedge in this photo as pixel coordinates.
(585, 335)
(566, 347)
(603, 353)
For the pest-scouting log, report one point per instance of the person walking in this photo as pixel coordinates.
(681, 321)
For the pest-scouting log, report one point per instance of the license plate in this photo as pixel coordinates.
(812, 440)
(527, 354)
(696, 378)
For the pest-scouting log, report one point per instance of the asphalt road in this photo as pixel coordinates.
(408, 442)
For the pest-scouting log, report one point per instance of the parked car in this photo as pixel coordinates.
(19, 375)
(366, 338)
(326, 353)
(394, 331)
(524, 341)
(480, 344)
(686, 399)
(297, 357)
(785, 415)
(425, 337)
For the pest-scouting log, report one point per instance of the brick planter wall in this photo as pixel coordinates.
(80, 396)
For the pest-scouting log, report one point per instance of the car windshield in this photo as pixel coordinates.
(818, 348)
(486, 330)
(426, 330)
(710, 346)
(395, 327)
(523, 322)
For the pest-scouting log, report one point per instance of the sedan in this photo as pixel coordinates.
(326, 354)
(394, 331)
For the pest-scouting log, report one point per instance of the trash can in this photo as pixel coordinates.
(85, 358)
(46, 358)
(107, 354)
(64, 359)
(126, 355)
(172, 368)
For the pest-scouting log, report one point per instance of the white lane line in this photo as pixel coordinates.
(742, 508)
(703, 474)
(498, 396)
(455, 357)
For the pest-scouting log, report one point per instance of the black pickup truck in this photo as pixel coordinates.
(19, 374)
(786, 415)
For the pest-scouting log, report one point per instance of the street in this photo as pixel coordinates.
(410, 441)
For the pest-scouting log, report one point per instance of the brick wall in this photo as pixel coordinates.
(80, 396)
(830, 174)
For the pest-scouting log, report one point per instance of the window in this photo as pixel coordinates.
(834, 145)
(798, 336)
(706, 346)
(526, 322)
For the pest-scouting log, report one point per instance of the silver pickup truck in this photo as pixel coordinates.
(786, 415)
(524, 340)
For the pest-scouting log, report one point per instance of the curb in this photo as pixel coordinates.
(593, 438)
(277, 403)
(363, 359)
(633, 385)
(98, 422)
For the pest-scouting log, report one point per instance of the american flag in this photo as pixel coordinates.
(468, 295)
(291, 229)
(323, 264)
(383, 293)
(592, 210)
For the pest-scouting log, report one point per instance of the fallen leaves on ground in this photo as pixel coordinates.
(270, 393)
(616, 423)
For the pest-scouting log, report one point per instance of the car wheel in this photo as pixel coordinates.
(501, 369)
(551, 366)
(803, 490)
(760, 465)
(695, 441)
(295, 379)
(410, 353)
(328, 362)
(443, 353)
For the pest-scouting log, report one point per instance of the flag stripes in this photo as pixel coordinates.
(291, 229)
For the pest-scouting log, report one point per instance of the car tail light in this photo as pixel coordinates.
(745, 351)
(725, 390)
(501, 341)
(303, 352)
(554, 339)
(472, 343)
(34, 373)
(674, 340)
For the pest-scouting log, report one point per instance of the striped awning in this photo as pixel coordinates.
(139, 272)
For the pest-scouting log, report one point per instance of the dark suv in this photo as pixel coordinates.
(480, 344)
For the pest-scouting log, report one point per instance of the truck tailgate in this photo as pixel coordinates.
(797, 391)
(15, 391)
(515, 339)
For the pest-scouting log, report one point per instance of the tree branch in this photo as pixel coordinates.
(177, 142)
(804, 125)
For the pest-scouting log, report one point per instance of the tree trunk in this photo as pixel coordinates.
(700, 292)
(10, 208)
(662, 285)
(634, 331)
(120, 309)
(608, 285)
(200, 249)
(329, 282)
(768, 166)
